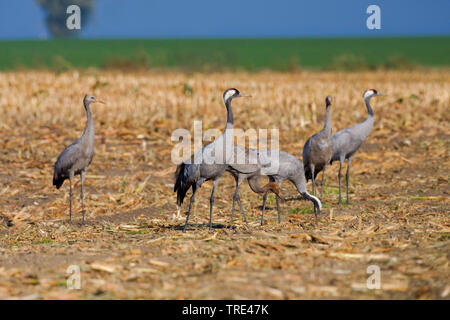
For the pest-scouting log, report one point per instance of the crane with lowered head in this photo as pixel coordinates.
(278, 167)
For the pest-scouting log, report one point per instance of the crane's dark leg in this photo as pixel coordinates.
(311, 167)
(348, 175)
(313, 183)
(279, 182)
(235, 198)
(340, 176)
(263, 207)
(242, 210)
(194, 189)
(278, 209)
(83, 175)
(70, 195)
(211, 203)
(323, 182)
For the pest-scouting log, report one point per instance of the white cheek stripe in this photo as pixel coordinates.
(368, 93)
(228, 95)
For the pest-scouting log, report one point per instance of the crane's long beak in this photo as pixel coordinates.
(100, 101)
(380, 94)
(244, 95)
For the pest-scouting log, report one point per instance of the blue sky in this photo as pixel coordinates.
(23, 19)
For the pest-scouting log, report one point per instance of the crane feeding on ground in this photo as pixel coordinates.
(278, 167)
(75, 159)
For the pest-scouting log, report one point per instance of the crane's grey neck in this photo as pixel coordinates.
(89, 129)
(369, 108)
(230, 120)
(327, 124)
(253, 182)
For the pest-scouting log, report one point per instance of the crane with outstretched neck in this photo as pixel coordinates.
(318, 150)
(347, 141)
(75, 159)
(213, 164)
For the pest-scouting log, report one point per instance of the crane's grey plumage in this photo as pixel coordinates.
(347, 141)
(192, 175)
(291, 168)
(75, 159)
(272, 186)
(246, 165)
(277, 168)
(318, 150)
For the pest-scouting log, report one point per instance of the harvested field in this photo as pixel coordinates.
(132, 245)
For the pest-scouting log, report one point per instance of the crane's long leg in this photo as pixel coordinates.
(323, 182)
(263, 207)
(211, 203)
(235, 198)
(242, 210)
(348, 175)
(312, 178)
(340, 176)
(83, 175)
(278, 209)
(313, 182)
(71, 174)
(194, 189)
(279, 182)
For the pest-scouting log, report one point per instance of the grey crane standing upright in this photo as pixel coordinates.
(191, 174)
(347, 141)
(318, 150)
(75, 159)
(279, 168)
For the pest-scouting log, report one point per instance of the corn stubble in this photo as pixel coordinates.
(132, 246)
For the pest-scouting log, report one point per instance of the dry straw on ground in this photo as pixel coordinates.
(133, 248)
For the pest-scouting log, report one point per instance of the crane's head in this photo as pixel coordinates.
(371, 93)
(89, 98)
(233, 93)
(328, 101)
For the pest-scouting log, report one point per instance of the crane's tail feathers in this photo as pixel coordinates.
(181, 186)
(58, 182)
(314, 199)
(308, 174)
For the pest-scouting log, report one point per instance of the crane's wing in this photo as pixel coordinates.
(245, 160)
(343, 143)
(306, 150)
(67, 159)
